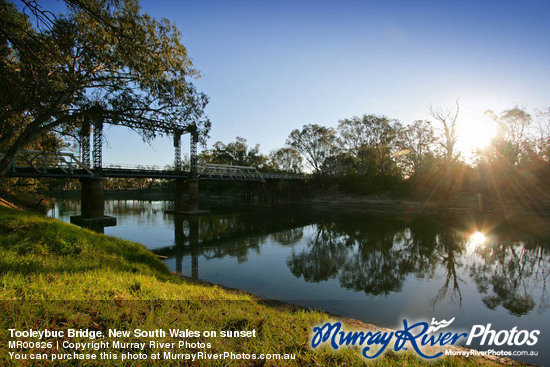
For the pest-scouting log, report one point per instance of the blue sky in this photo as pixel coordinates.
(270, 67)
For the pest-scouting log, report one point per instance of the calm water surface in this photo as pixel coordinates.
(378, 268)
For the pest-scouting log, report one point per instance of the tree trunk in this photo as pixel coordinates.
(26, 137)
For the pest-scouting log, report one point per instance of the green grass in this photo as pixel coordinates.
(57, 276)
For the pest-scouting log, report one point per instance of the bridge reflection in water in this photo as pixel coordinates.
(216, 236)
(186, 233)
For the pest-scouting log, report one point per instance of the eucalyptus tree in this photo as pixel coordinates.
(514, 138)
(105, 60)
(316, 143)
(369, 139)
(236, 153)
(285, 159)
(416, 147)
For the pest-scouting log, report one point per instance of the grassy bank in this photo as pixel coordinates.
(57, 276)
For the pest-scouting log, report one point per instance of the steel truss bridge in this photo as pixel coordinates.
(38, 164)
(90, 172)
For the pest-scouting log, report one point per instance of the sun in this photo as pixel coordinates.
(476, 240)
(474, 134)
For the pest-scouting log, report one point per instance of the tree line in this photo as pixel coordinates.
(373, 153)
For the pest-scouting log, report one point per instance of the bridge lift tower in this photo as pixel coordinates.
(191, 207)
(92, 191)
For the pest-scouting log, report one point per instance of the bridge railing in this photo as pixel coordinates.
(213, 171)
(283, 176)
(136, 167)
(38, 163)
(229, 172)
(42, 162)
(243, 173)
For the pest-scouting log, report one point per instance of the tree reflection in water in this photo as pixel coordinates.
(323, 259)
(448, 252)
(289, 237)
(375, 255)
(510, 274)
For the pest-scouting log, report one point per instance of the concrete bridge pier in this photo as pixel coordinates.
(92, 205)
(179, 195)
(193, 187)
(191, 205)
(180, 204)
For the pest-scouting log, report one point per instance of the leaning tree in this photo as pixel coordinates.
(105, 60)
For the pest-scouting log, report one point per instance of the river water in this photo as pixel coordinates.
(378, 268)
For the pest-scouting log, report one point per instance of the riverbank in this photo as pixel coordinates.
(464, 203)
(58, 276)
(332, 197)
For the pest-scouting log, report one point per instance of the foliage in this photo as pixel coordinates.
(285, 159)
(236, 153)
(369, 139)
(374, 154)
(339, 165)
(542, 134)
(513, 142)
(21, 186)
(105, 60)
(515, 164)
(368, 185)
(316, 143)
(416, 147)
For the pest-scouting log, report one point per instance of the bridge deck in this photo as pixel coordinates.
(35, 164)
